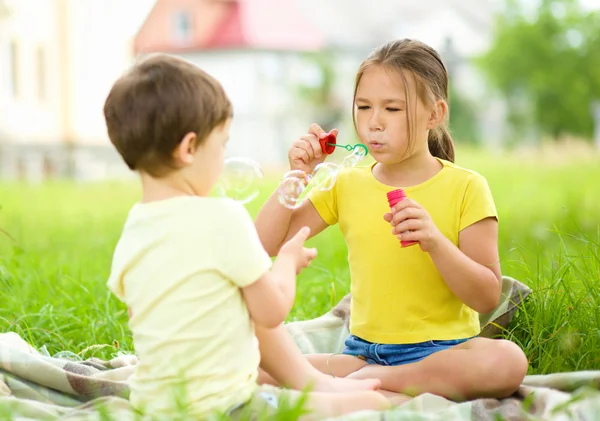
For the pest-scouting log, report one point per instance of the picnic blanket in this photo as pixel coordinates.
(35, 386)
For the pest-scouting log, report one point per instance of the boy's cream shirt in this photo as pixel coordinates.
(179, 265)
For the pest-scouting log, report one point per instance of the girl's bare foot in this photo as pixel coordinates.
(396, 399)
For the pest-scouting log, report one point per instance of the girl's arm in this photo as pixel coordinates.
(275, 223)
(471, 270)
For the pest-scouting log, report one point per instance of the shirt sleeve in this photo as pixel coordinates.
(478, 202)
(325, 202)
(115, 280)
(243, 258)
(115, 285)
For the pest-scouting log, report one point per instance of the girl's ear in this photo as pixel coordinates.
(184, 153)
(438, 113)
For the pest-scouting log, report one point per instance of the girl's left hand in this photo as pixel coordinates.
(411, 222)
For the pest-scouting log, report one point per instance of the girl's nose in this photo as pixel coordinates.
(375, 123)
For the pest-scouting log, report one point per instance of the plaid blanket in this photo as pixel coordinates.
(36, 386)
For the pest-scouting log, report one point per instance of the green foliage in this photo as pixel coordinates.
(547, 65)
(321, 96)
(463, 118)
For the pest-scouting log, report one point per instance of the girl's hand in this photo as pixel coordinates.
(411, 222)
(306, 153)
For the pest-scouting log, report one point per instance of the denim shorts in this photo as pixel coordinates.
(392, 354)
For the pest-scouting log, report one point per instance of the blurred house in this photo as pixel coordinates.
(256, 49)
(59, 58)
(285, 64)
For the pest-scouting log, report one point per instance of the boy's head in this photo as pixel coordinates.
(163, 113)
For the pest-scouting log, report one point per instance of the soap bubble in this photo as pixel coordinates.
(358, 154)
(297, 185)
(360, 150)
(350, 161)
(241, 180)
(324, 176)
(292, 187)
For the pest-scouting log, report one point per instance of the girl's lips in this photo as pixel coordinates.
(375, 145)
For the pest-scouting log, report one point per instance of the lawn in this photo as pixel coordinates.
(58, 238)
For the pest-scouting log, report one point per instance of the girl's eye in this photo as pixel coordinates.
(393, 109)
(363, 107)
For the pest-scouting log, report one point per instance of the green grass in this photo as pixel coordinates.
(58, 239)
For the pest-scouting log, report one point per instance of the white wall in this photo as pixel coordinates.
(260, 86)
(28, 117)
(86, 45)
(97, 50)
(100, 46)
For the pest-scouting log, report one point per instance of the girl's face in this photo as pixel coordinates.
(382, 115)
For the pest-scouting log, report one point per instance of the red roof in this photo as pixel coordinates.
(225, 24)
(229, 31)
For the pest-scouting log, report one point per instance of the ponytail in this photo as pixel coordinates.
(440, 143)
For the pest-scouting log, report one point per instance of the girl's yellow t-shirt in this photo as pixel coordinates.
(398, 295)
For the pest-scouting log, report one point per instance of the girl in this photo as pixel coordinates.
(415, 309)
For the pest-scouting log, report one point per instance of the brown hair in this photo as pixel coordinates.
(151, 108)
(431, 78)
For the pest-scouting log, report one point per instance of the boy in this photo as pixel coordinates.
(205, 300)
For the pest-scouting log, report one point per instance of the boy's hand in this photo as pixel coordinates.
(306, 153)
(295, 251)
(411, 222)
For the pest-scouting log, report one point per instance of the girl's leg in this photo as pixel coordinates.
(477, 368)
(283, 363)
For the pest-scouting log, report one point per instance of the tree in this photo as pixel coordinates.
(549, 59)
(320, 93)
(463, 117)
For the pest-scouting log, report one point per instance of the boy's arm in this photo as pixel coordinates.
(270, 298)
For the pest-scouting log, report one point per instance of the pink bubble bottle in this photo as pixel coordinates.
(394, 197)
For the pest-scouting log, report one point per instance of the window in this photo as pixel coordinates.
(40, 59)
(14, 68)
(182, 26)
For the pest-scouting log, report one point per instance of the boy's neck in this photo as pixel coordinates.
(156, 189)
(411, 171)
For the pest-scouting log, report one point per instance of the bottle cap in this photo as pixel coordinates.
(395, 196)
